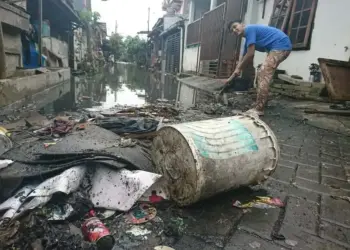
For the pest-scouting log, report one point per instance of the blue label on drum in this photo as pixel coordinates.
(225, 142)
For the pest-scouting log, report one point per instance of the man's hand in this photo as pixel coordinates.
(236, 73)
(224, 81)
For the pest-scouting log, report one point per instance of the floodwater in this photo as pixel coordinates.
(121, 84)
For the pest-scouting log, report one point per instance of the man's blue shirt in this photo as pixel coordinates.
(266, 38)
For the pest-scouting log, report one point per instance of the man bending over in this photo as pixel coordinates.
(262, 38)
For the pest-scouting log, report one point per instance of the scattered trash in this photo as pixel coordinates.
(163, 248)
(291, 243)
(81, 126)
(57, 212)
(105, 214)
(162, 100)
(59, 127)
(8, 232)
(154, 198)
(260, 202)
(125, 143)
(345, 198)
(125, 125)
(5, 141)
(275, 236)
(49, 144)
(141, 214)
(5, 163)
(14, 203)
(246, 210)
(67, 182)
(5, 132)
(138, 231)
(95, 231)
(156, 193)
(175, 227)
(255, 245)
(119, 189)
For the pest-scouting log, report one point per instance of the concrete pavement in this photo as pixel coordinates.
(310, 178)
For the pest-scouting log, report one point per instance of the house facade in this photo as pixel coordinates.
(211, 51)
(317, 28)
(27, 49)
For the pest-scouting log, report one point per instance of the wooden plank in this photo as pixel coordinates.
(328, 112)
(336, 75)
(294, 81)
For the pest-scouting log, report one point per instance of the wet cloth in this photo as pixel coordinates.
(123, 125)
(59, 127)
(266, 38)
(267, 70)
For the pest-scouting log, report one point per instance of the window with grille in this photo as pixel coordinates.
(295, 17)
(280, 14)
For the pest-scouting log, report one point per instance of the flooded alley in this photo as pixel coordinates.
(174, 125)
(119, 157)
(119, 85)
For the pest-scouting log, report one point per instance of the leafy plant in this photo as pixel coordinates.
(89, 17)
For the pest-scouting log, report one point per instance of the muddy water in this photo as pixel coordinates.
(122, 84)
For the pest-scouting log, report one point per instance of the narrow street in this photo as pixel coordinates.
(174, 125)
(310, 179)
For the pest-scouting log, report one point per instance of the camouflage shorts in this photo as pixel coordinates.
(265, 74)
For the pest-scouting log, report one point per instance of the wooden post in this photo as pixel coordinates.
(2, 55)
(40, 29)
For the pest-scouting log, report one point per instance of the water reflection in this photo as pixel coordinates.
(122, 84)
(126, 84)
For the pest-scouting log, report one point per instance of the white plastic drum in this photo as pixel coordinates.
(201, 159)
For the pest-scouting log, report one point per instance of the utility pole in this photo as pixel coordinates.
(40, 29)
(149, 13)
(147, 59)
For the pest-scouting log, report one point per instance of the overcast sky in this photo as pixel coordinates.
(131, 14)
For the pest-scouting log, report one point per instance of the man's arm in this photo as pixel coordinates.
(250, 40)
(249, 56)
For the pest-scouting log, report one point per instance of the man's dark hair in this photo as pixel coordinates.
(229, 25)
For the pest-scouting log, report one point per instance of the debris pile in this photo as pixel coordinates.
(86, 180)
(77, 173)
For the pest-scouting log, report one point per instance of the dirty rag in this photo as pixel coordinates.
(58, 127)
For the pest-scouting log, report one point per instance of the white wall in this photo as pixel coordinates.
(170, 20)
(190, 58)
(330, 36)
